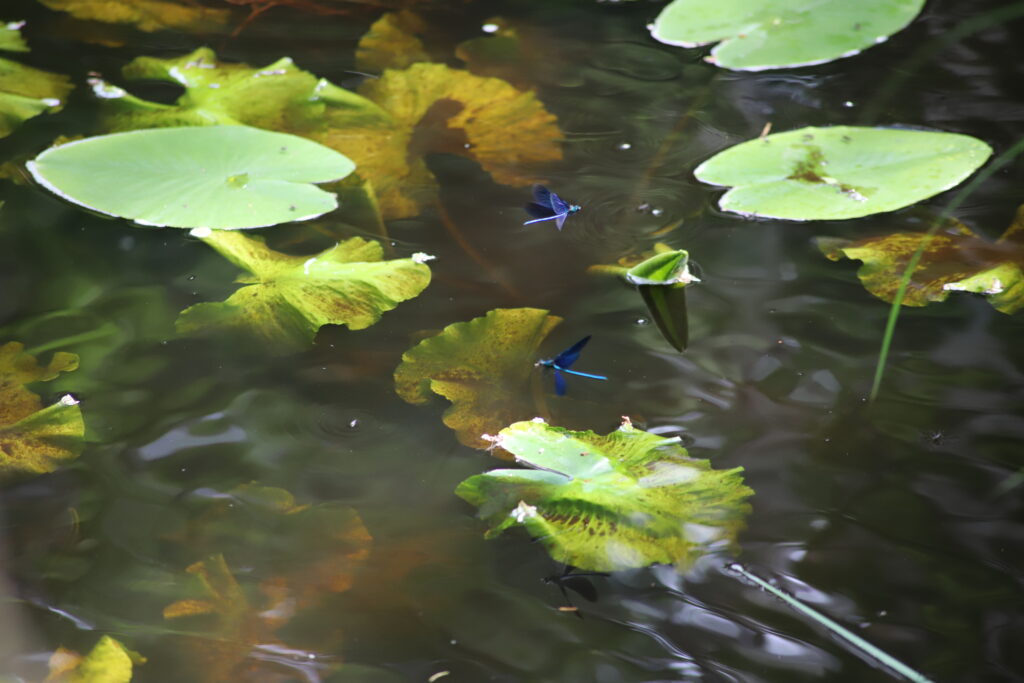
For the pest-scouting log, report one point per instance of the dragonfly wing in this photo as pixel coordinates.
(543, 195)
(538, 210)
(559, 205)
(560, 385)
(560, 220)
(566, 358)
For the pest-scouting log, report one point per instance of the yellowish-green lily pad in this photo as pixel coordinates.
(287, 299)
(603, 503)
(34, 439)
(24, 91)
(954, 260)
(482, 366)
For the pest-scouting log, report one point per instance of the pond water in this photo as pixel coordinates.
(900, 519)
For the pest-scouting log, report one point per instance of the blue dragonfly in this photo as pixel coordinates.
(563, 361)
(547, 205)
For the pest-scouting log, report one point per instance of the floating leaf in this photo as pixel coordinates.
(953, 261)
(10, 37)
(661, 276)
(223, 177)
(108, 662)
(840, 172)
(288, 298)
(604, 503)
(392, 42)
(661, 281)
(482, 366)
(26, 92)
(33, 439)
(386, 128)
(146, 15)
(771, 34)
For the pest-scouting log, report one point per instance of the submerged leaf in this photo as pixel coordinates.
(954, 261)
(33, 439)
(840, 172)
(771, 34)
(288, 298)
(147, 15)
(392, 42)
(108, 662)
(386, 128)
(604, 503)
(221, 177)
(482, 366)
(235, 625)
(326, 543)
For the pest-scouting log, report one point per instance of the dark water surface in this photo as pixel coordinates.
(902, 520)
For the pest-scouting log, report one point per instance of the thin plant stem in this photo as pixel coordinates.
(915, 258)
(104, 330)
(834, 627)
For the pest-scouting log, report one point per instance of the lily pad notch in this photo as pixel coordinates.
(218, 177)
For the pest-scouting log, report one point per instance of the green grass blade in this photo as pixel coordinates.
(853, 639)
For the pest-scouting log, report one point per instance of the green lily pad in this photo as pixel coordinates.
(222, 177)
(956, 260)
(604, 503)
(288, 298)
(387, 128)
(482, 366)
(10, 37)
(33, 439)
(841, 171)
(771, 34)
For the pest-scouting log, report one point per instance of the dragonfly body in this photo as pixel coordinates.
(563, 361)
(548, 206)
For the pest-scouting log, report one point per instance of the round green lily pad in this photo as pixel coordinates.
(221, 177)
(772, 34)
(841, 171)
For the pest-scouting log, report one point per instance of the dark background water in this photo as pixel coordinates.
(901, 520)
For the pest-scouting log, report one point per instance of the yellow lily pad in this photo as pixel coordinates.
(955, 260)
(146, 15)
(482, 366)
(33, 439)
(392, 42)
(108, 662)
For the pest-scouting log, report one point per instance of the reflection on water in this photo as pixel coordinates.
(900, 520)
